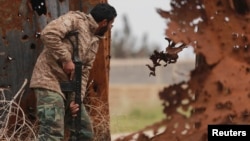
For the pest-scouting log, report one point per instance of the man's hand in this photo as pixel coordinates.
(69, 68)
(74, 108)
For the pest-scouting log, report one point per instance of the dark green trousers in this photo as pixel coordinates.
(54, 117)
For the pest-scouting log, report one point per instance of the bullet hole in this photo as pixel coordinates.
(227, 105)
(219, 3)
(246, 48)
(245, 114)
(235, 36)
(230, 117)
(95, 87)
(223, 44)
(241, 6)
(38, 34)
(244, 38)
(108, 57)
(39, 6)
(9, 58)
(173, 33)
(226, 19)
(247, 70)
(220, 86)
(197, 125)
(25, 37)
(236, 46)
(32, 46)
(199, 110)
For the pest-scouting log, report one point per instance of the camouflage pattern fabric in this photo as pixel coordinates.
(55, 117)
(57, 49)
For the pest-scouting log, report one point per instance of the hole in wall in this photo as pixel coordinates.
(39, 6)
(32, 46)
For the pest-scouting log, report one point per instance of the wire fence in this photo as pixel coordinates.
(14, 125)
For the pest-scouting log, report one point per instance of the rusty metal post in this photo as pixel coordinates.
(97, 95)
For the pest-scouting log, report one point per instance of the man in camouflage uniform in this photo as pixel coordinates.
(55, 65)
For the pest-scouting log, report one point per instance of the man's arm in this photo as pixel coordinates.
(87, 66)
(85, 75)
(53, 34)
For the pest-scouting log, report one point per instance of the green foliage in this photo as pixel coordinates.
(136, 119)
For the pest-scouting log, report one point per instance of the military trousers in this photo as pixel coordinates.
(54, 118)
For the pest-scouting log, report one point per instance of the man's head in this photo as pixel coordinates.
(104, 14)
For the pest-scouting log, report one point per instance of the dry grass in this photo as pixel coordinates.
(14, 126)
(98, 112)
(133, 107)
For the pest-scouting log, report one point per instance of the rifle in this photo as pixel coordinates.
(75, 84)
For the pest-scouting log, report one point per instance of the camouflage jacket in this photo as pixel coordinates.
(48, 71)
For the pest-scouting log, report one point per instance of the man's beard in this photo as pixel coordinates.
(102, 31)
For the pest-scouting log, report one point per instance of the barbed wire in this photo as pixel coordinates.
(14, 125)
(99, 116)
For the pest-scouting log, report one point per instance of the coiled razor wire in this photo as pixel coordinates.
(14, 125)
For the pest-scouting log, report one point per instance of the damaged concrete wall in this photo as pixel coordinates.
(218, 91)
